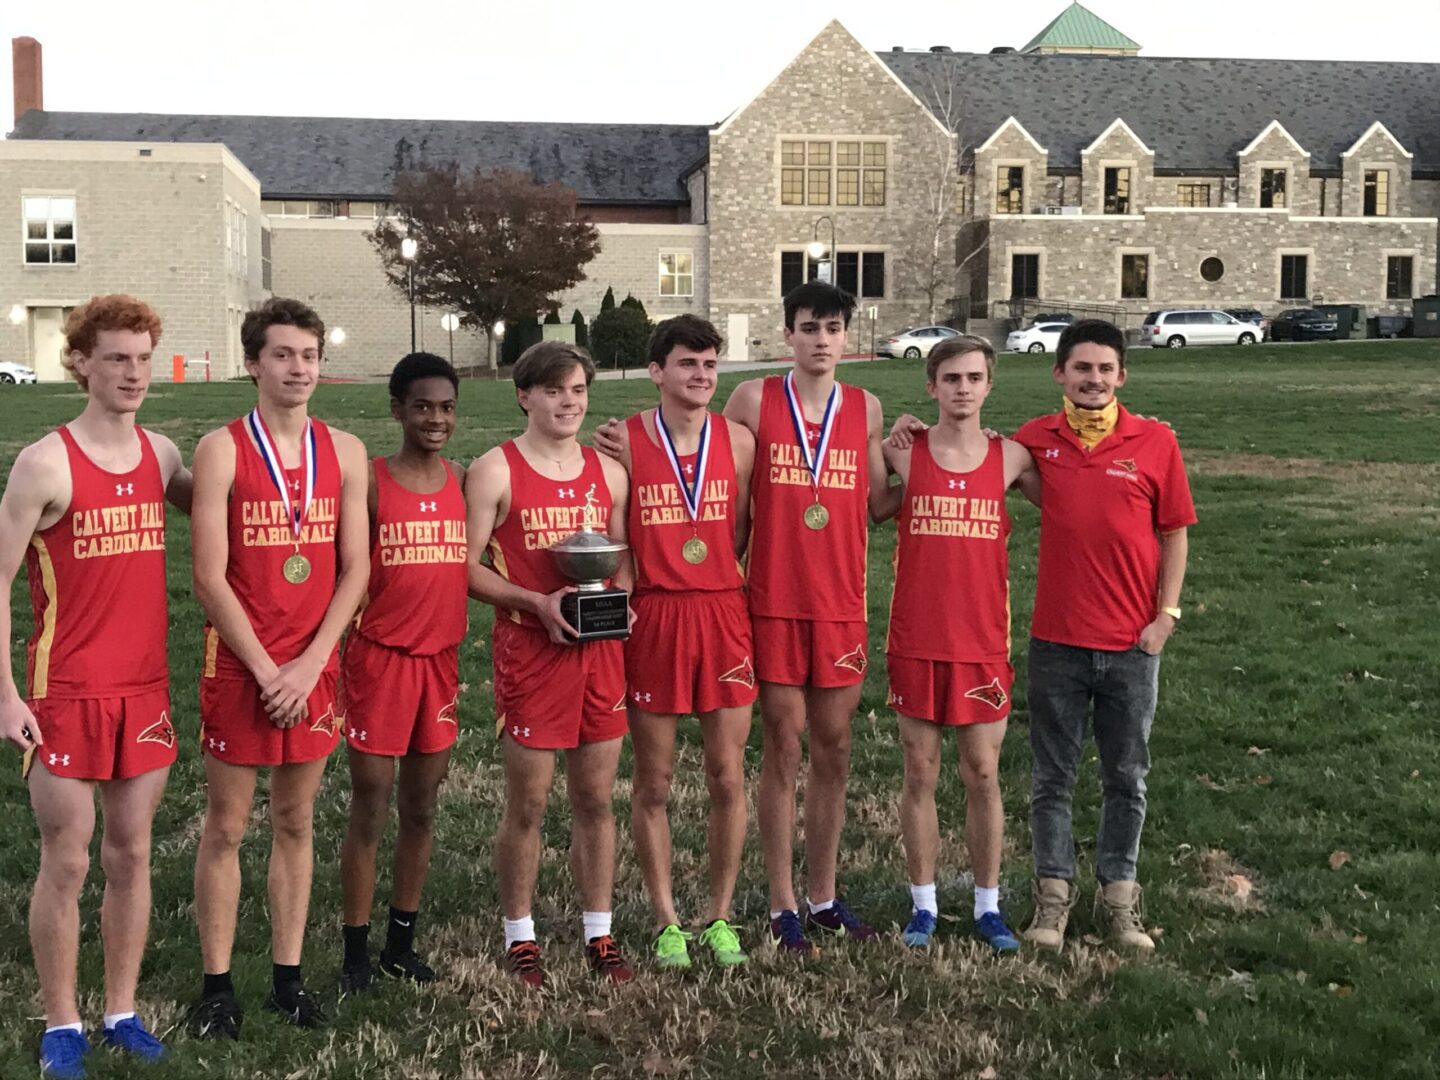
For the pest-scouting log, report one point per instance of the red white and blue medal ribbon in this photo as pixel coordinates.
(294, 513)
(691, 494)
(814, 460)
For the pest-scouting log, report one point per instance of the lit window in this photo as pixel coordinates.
(1377, 193)
(49, 230)
(677, 273)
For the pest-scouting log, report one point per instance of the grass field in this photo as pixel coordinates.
(1289, 859)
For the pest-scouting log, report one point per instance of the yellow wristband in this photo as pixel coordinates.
(1173, 612)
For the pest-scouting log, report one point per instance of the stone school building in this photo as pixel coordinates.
(1070, 171)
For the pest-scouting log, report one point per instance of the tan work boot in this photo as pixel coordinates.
(1118, 903)
(1054, 897)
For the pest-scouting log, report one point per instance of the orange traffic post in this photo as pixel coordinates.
(178, 370)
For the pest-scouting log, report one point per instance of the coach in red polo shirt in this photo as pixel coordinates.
(1114, 510)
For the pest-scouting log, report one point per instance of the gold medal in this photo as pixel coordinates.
(816, 516)
(694, 551)
(296, 569)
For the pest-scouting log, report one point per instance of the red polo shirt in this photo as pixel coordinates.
(1100, 518)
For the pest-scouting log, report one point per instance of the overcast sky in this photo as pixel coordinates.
(616, 61)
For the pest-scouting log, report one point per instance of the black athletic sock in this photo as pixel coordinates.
(357, 946)
(218, 984)
(285, 976)
(400, 933)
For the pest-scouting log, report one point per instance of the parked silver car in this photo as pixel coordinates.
(1196, 326)
(15, 373)
(914, 343)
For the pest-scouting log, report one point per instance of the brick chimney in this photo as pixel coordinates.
(29, 81)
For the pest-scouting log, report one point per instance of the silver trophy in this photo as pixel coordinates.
(589, 558)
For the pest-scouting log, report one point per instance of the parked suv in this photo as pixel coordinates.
(1304, 324)
(1198, 326)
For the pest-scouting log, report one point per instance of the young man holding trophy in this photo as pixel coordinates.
(548, 517)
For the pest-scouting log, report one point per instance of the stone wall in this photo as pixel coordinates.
(834, 89)
(150, 221)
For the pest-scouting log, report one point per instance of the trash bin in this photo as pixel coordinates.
(1427, 317)
(1349, 319)
(1387, 326)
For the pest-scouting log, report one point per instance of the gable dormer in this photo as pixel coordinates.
(1010, 170)
(1275, 172)
(1117, 171)
(1375, 175)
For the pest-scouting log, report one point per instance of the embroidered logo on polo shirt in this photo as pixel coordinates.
(1052, 453)
(1128, 464)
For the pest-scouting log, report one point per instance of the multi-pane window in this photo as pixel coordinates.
(1377, 192)
(265, 270)
(300, 208)
(1399, 279)
(366, 210)
(49, 229)
(819, 172)
(860, 273)
(1010, 189)
(677, 273)
(1272, 188)
(1192, 195)
(237, 240)
(1134, 277)
(1117, 191)
(1294, 277)
(1025, 277)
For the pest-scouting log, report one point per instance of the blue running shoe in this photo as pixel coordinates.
(789, 935)
(991, 929)
(130, 1035)
(839, 920)
(62, 1054)
(919, 929)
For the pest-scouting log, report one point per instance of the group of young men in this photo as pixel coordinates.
(295, 532)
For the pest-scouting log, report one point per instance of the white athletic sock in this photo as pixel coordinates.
(597, 924)
(522, 929)
(111, 1019)
(76, 1026)
(922, 898)
(815, 908)
(987, 901)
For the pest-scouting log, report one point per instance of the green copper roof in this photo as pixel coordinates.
(1078, 28)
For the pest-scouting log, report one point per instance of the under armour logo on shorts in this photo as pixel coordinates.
(565, 493)
(59, 759)
(216, 744)
(361, 735)
(431, 506)
(955, 485)
(520, 732)
(639, 697)
(124, 489)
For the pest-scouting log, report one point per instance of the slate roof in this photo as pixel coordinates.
(1078, 27)
(346, 158)
(1196, 114)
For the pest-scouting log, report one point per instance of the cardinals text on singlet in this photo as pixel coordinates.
(661, 504)
(787, 466)
(547, 525)
(955, 515)
(408, 543)
(266, 523)
(118, 530)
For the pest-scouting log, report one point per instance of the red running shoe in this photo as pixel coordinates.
(522, 960)
(605, 960)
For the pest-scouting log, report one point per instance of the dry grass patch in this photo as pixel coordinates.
(1371, 491)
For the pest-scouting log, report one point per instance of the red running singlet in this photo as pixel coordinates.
(660, 524)
(952, 564)
(417, 593)
(284, 616)
(97, 584)
(797, 572)
(543, 511)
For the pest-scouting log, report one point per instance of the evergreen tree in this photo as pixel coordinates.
(553, 318)
(608, 303)
(582, 329)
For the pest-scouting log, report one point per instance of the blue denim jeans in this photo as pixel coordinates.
(1064, 682)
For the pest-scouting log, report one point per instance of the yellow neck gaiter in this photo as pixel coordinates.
(1092, 425)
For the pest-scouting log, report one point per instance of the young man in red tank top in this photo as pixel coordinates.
(281, 563)
(86, 505)
(550, 693)
(819, 470)
(690, 652)
(400, 670)
(949, 662)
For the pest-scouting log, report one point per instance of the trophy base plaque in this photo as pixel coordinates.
(598, 614)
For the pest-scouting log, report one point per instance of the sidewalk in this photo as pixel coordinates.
(728, 368)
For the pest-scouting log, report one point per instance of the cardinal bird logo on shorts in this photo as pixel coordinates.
(327, 723)
(992, 694)
(1128, 464)
(619, 705)
(854, 660)
(447, 714)
(742, 673)
(159, 732)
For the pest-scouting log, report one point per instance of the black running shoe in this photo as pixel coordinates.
(356, 980)
(406, 965)
(215, 1016)
(298, 1007)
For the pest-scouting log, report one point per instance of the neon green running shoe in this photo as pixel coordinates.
(670, 949)
(724, 943)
